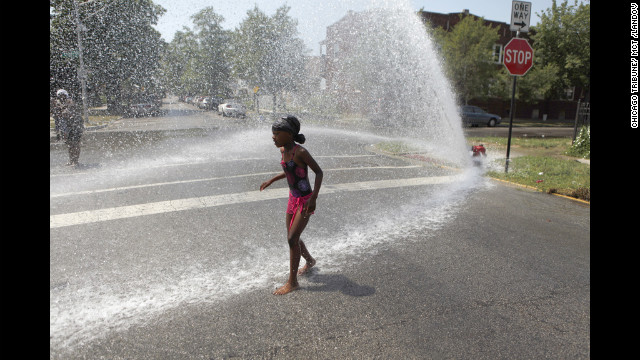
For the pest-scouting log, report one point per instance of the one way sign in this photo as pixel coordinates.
(520, 16)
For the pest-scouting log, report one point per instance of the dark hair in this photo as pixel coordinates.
(289, 124)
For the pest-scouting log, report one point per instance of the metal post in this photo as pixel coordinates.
(81, 72)
(511, 112)
(575, 123)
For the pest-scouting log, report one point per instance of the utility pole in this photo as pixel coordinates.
(81, 70)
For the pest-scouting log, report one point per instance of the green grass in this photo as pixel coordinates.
(93, 119)
(549, 174)
(394, 147)
(541, 163)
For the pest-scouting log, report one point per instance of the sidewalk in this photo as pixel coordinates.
(52, 132)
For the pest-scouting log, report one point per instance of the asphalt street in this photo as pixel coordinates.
(161, 247)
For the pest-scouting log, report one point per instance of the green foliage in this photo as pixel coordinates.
(582, 146)
(468, 54)
(120, 47)
(562, 42)
(263, 51)
(267, 52)
(196, 62)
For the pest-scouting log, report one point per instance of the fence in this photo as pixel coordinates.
(583, 117)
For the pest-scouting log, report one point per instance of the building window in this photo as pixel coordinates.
(569, 93)
(497, 54)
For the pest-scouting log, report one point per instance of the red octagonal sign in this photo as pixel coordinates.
(518, 56)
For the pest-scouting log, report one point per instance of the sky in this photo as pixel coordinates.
(313, 17)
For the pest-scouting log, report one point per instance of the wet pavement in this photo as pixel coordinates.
(471, 270)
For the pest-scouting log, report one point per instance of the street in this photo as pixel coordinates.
(503, 131)
(162, 246)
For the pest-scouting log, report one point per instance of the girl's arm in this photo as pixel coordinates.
(269, 182)
(310, 206)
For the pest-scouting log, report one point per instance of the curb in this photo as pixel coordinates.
(419, 160)
(536, 189)
(52, 136)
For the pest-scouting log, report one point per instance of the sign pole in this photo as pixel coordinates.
(518, 57)
(511, 111)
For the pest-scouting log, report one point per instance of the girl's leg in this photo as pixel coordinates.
(303, 249)
(308, 258)
(293, 238)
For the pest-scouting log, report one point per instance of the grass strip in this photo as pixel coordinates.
(549, 174)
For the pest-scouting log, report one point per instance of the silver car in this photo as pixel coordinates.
(474, 116)
(232, 109)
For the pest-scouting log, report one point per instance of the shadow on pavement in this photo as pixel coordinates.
(337, 282)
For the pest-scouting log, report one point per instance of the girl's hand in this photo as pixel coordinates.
(309, 206)
(271, 181)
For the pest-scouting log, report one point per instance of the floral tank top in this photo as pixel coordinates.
(297, 176)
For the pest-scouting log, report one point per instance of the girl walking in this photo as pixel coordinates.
(302, 198)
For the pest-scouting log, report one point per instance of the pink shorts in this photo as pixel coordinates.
(296, 205)
(296, 202)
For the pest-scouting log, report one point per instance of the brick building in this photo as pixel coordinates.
(448, 21)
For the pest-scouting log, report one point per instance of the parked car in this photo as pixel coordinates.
(232, 109)
(197, 101)
(201, 102)
(474, 116)
(213, 102)
(209, 103)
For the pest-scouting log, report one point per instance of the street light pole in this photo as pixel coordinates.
(81, 69)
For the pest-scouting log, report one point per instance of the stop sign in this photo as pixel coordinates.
(518, 56)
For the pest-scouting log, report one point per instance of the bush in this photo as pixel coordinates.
(582, 146)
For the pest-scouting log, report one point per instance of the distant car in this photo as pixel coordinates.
(144, 109)
(232, 109)
(202, 102)
(197, 101)
(474, 116)
(193, 100)
(213, 102)
(209, 103)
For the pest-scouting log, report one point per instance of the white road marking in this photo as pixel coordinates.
(76, 173)
(120, 188)
(121, 212)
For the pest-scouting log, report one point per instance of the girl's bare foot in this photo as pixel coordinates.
(287, 288)
(307, 267)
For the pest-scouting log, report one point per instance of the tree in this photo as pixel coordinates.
(179, 61)
(211, 61)
(468, 53)
(121, 49)
(196, 62)
(562, 45)
(267, 52)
